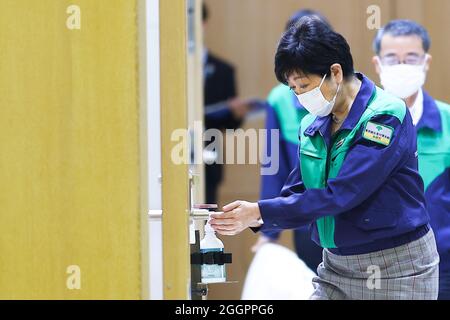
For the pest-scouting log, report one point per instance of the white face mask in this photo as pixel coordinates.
(402, 80)
(315, 103)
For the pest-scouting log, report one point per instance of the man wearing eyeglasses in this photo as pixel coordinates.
(402, 62)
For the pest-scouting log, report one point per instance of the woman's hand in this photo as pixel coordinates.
(236, 217)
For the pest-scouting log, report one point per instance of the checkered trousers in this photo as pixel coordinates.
(407, 272)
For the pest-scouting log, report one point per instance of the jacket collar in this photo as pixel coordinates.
(362, 99)
(431, 117)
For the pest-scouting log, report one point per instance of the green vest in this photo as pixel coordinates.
(318, 164)
(433, 148)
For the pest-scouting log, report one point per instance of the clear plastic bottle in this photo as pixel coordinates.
(212, 273)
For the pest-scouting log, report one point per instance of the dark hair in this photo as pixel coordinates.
(311, 47)
(305, 13)
(205, 12)
(398, 28)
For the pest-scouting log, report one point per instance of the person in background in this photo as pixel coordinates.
(402, 61)
(223, 109)
(284, 113)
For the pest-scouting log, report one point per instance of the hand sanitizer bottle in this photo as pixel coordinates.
(212, 273)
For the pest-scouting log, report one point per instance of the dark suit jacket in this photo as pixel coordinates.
(219, 86)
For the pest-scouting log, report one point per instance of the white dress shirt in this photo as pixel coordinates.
(416, 109)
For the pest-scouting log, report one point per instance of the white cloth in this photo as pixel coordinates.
(416, 109)
(276, 273)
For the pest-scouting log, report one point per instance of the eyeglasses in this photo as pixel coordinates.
(411, 59)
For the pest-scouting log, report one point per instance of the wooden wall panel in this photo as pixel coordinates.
(247, 33)
(175, 178)
(69, 150)
(438, 24)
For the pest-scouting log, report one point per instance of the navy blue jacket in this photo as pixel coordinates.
(377, 198)
(433, 131)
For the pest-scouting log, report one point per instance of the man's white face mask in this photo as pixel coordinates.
(402, 80)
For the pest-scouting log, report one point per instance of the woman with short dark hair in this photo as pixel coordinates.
(357, 185)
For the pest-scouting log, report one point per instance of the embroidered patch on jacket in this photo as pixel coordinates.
(378, 133)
